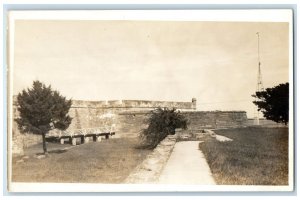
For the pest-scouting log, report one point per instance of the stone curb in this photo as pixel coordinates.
(219, 138)
(150, 169)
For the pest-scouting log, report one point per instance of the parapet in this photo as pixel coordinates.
(134, 104)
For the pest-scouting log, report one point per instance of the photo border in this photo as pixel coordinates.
(9, 8)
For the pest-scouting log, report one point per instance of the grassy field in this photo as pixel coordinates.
(256, 156)
(108, 161)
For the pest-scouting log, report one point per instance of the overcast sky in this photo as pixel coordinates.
(215, 62)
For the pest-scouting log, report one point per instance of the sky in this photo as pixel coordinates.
(215, 62)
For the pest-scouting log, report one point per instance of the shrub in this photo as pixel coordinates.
(162, 122)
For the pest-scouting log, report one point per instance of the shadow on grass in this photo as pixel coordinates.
(56, 151)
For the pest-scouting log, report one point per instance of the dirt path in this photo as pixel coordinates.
(187, 165)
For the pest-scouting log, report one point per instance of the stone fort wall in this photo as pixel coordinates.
(129, 117)
(131, 123)
(105, 114)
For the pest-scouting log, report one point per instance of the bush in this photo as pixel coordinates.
(162, 122)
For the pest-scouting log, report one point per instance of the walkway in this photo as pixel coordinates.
(187, 165)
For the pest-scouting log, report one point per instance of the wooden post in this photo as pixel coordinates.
(106, 136)
(82, 139)
(94, 138)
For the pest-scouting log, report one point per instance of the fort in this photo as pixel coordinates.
(128, 117)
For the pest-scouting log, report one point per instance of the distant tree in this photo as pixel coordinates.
(41, 110)
(274, 103)
(162, 122)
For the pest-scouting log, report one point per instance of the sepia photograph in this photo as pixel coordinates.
(160, 100)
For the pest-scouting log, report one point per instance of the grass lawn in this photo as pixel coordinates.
(256, 156)
(108, 161)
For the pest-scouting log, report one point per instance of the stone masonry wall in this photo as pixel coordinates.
(103, 114)
(129, 117)
(21, 141)
(131, 123)
(215, 119)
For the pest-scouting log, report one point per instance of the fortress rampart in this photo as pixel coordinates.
(129, 117)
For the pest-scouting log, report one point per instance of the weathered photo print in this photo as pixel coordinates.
(150, 101)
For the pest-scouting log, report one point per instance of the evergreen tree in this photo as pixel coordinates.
(41, 110)
(274, 103)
